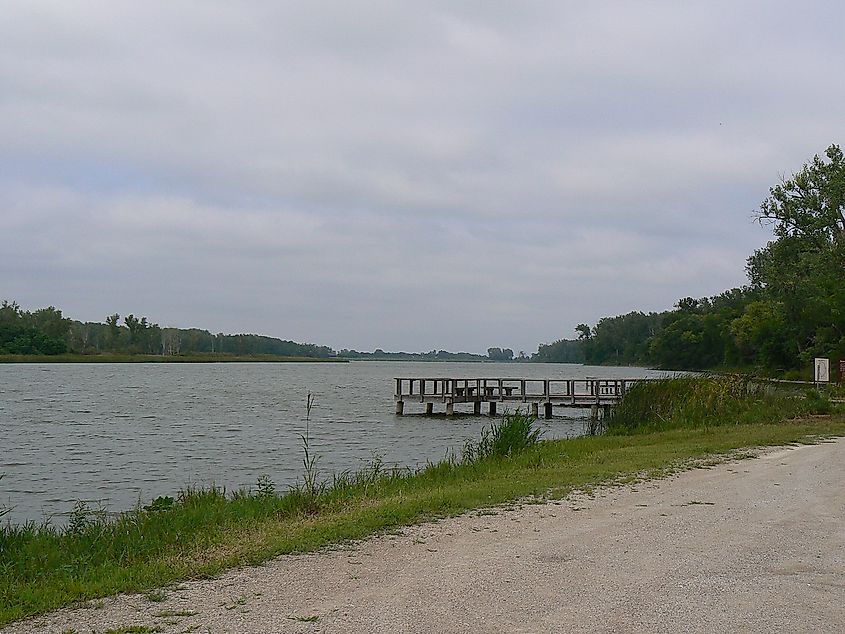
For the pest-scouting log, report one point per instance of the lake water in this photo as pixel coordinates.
(114, 434)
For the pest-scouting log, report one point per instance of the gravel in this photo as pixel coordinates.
(754, 545)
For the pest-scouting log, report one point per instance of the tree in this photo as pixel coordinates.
(498, 354)
(51, 322)
(583, 331)
(113, 324)
(802, 271)
(811, 204)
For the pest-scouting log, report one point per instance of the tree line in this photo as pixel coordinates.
(43, 331)
(792, 309)
(434, 355)
(47, 331)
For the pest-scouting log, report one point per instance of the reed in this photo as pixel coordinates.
(512, 435)
(706, 401)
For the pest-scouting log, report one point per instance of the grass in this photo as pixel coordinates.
(306, 619)
(166, 614)
(200, 357)
(201, 532)
(156, 596)
(515, 434)
(708, 401)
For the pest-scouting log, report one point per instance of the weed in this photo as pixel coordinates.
(156, 596)
(160, 504)
(80, 518)
(265, 487)
(239, 602)
(513, 435)
(166, 614)
(305, 619)
(312, 487)
(133, 629)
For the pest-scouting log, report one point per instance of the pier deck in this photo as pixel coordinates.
(590, 393)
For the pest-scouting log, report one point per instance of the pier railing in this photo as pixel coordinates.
(585, 392)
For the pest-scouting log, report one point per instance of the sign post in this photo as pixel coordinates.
(822, 370)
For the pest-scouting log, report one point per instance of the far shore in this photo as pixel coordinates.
(155, 358)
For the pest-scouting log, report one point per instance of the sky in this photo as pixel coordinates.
(402, 175)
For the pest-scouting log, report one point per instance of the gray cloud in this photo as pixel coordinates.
(437, 175)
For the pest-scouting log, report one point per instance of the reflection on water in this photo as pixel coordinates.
(114, 434)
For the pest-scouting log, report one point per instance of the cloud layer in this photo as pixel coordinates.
(450, 175)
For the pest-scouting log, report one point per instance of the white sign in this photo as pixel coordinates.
(822, 374)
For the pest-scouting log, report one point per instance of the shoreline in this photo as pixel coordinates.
(744, 545)
(152, 358)
(242, 531)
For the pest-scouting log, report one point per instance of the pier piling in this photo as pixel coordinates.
(596, 395)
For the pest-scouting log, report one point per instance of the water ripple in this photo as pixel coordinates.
(118, 432)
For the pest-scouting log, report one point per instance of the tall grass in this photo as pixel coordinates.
(705, 401)
(513, 435)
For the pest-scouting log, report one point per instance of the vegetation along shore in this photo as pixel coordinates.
(665, 426)
(157, 358)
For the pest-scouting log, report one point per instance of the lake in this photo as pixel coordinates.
(116, 434)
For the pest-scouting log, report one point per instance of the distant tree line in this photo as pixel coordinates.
(792, 310)
(433, 355)
(43, 331)
(499, 354)
(46, 331)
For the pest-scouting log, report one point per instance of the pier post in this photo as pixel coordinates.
(450, 408)
(547, 409)
(429, 409)
(476, 408)
(400, 408)
(594, 412)
(535, 410)
(492, 408)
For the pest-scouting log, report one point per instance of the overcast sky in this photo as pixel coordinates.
(404, 175)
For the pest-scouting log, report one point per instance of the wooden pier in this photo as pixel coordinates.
(597, 395)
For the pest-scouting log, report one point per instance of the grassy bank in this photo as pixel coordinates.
(154, 358)
(710, 401)
(202, 532)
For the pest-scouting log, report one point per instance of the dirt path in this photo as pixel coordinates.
(751, 546)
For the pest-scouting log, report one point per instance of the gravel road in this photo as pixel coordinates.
(755, 545)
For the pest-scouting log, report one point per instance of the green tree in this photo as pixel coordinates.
(802, 271)
(114, 330)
